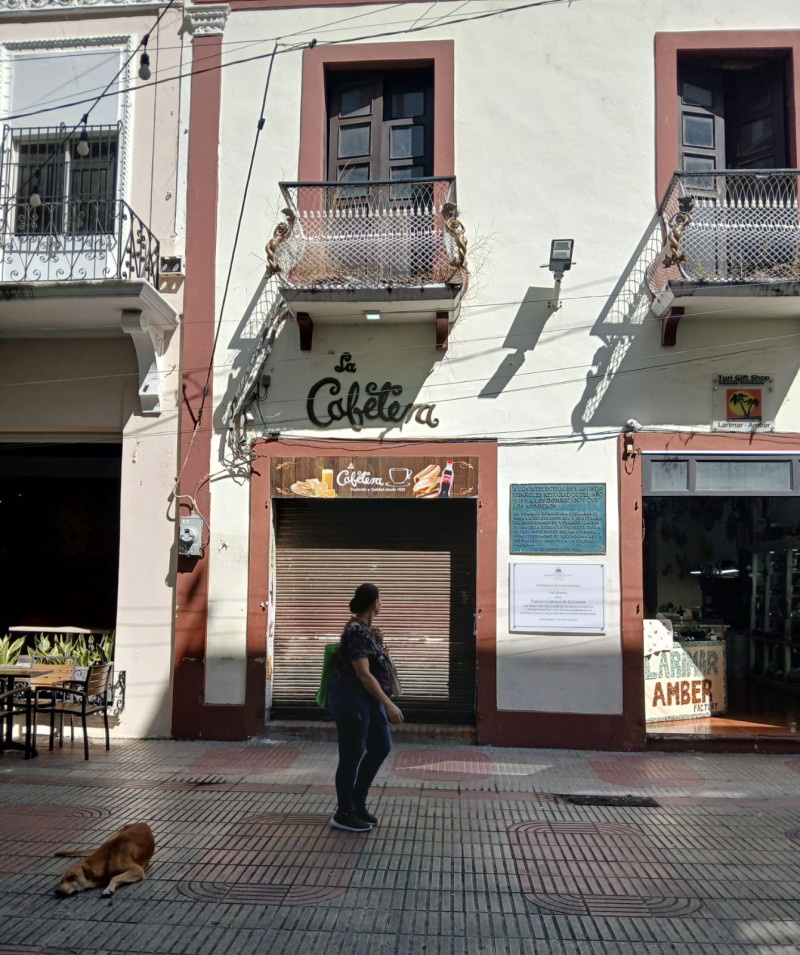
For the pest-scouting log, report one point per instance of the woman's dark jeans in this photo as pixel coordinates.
(364, 742)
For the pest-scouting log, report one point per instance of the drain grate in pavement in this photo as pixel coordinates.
(645, 802)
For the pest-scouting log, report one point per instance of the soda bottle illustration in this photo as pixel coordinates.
(446, 487)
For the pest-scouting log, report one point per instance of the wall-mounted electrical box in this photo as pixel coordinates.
(190, 539)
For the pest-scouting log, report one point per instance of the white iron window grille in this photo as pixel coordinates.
(60, 217)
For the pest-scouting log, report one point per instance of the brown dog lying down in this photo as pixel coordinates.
(122, 859)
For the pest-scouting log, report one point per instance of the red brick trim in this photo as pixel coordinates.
(631, 558)
(667, 48)
(486, 583)
(191, 719)
(440, 54)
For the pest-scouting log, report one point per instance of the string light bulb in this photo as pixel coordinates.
(82, 149)
(35, 199)
(144, 60)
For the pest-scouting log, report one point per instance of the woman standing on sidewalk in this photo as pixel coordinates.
(362, 711)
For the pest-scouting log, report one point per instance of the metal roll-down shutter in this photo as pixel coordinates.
(421, 555)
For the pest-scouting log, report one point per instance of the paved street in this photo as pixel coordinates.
(478, 850)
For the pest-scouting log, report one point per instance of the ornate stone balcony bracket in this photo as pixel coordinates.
(150, 341)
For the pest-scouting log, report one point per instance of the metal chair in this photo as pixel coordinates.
(13, 702)
(81, 698)
(43, 687)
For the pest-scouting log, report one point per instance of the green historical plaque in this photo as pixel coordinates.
(558, 518)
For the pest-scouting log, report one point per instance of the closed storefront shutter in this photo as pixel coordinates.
(422, 557)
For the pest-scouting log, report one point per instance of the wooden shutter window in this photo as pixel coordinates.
(380, 126)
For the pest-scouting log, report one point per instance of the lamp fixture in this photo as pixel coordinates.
(561, 256)
(82, 149)
(372, 316)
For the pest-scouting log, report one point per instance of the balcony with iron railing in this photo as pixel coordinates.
(75, 259)
(395, 247)
(728, 234)
(75, 240)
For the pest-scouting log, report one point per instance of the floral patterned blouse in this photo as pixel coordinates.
(358, 642)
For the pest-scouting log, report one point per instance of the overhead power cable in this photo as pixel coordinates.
(259, 128)
(33, 175)
(294, 48)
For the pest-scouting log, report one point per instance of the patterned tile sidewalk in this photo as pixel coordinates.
(478, 850)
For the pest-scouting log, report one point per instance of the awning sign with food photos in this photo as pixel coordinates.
(418, 477)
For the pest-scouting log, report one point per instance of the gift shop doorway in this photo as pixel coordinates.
(421, 554)
(721, 566)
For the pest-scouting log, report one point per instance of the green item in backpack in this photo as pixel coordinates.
(329, 664)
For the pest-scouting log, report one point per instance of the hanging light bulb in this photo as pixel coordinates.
(35, 199)
(144, 60)
(82, 149)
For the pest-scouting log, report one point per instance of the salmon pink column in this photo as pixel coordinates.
(190, 717)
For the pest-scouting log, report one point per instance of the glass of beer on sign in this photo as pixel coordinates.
(327, 477)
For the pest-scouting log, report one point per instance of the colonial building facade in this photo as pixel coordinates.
(481, 310)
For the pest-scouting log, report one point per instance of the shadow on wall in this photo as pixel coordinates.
(633, 375)
(523, 335)
(254, 335)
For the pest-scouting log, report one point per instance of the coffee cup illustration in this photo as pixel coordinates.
(399, 475)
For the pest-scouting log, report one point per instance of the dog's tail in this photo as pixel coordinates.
(71, 855)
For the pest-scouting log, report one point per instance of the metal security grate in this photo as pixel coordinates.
(369, 235)
(729, 226)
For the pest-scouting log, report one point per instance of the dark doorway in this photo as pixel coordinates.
(732, 113)
(59, 535)
(724, 573)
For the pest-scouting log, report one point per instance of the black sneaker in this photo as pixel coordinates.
(350, 821)
(361, 813)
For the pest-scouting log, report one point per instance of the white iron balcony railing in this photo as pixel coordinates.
(369, 235)
(75, 240)
(729, 226)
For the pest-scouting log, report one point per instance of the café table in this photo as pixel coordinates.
(10, 675)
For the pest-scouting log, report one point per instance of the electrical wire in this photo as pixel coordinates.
(294, 48)
(734, 313)
(763, 344)
(259, 128)
(33, 175)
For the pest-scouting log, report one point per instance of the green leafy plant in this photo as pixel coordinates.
(10, 649)
(84, 651)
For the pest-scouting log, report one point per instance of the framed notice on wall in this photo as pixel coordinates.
(557, 598)
(558, 518)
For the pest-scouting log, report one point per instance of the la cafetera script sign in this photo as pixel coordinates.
(328, 403)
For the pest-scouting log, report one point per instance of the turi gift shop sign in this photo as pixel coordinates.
(407, 477)
(742, 402)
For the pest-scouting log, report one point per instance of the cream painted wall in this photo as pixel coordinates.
(102, 398)
(150, 112)
(105, 406)
(554, 120)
